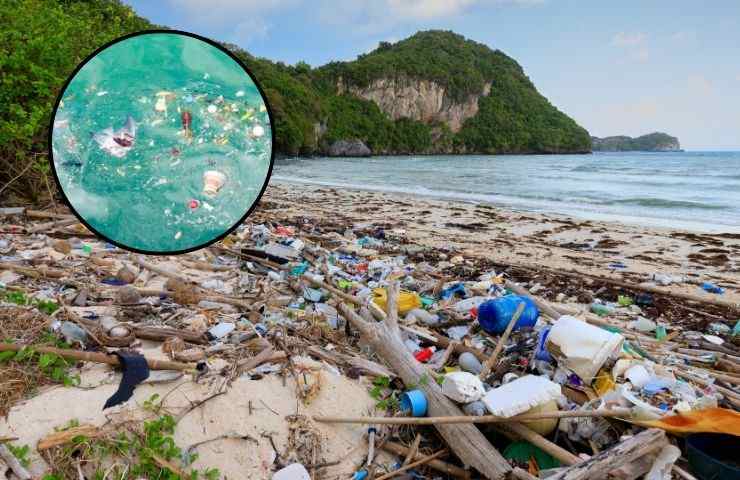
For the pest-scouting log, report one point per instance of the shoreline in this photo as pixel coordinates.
(636, 221)
(517, 238)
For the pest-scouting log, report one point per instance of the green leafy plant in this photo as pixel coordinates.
(21, 453)
(51, 365)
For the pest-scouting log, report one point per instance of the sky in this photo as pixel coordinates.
(618, 68)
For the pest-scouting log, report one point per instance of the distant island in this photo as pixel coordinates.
(652, 142)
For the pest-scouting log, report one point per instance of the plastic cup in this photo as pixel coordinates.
(415, 402)
(212, 182)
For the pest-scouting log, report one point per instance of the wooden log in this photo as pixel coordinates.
(599, 466)
(367, 367)
(444, 342)
(154, 364)
(39, 271)
(634, 286)
(541, 304)
(417, 463)
(162, 333)
(526, 417)
(65, 436)
(344, 296)
(465, 440)
(439, 465)
(13, 463)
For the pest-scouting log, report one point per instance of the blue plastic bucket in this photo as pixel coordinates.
(494, 315)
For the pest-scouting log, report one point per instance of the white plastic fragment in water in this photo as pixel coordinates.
(258, 131)
(520, 395)
(580, 347)
(462, 387)
(119, 142)
(213, 181)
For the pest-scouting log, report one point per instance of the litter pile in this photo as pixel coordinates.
(306, 351)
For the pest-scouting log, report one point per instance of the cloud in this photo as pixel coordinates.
(641, 54)
(639, 110)
(375, 16)
(426, 9)
(248, 30)
(700, 85)
(635, 44)
(683, 36)
(624, 39)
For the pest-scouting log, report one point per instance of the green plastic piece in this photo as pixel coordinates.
(521, 452)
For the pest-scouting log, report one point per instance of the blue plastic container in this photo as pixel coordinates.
(541, 353)
(494, 315)
(415, 402)
(712, 288)
(713, 456)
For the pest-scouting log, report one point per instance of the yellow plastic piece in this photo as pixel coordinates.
(547, 425)
(406, 300)
(603, 383)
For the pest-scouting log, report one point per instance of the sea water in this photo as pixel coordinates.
(698, 191)
(152, 198)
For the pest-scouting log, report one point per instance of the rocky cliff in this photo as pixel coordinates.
(422, 100)
(652, 142)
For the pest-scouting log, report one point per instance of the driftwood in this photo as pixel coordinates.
(163, 333)
(525, 417)
(65, 436)
(439, 465)
(442, 341)
(519, 431)
(39, 271)
(633, 286)
(465, 440)
(154, 364)
(7, 456)
(543, 306)
(367, 367)
(417, 463)
(599, 466)
(266, 355)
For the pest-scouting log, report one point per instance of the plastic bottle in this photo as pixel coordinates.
(600, 310)
(494, 315)
(712, 288)
(469, 363)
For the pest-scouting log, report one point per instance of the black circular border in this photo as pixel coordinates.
(174, 32)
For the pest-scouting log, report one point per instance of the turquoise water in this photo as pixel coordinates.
(697, 191)
(132, 162)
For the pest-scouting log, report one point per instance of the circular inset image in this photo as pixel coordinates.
(161, 142)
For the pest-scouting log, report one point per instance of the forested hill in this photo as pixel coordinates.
(435, 92)
(652, 142)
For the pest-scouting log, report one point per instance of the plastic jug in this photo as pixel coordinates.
(494, 315)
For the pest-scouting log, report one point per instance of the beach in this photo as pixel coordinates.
(515, 238)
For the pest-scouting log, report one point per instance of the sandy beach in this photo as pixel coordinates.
(526, 239)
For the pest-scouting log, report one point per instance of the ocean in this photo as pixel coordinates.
(696, 191)
(147, 191)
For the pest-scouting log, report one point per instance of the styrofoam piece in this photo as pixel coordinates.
(580, 347)
(294, 471)
(463, 387)
(520, 395)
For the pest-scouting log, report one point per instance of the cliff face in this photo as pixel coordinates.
(652, 142)
(421, 100)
